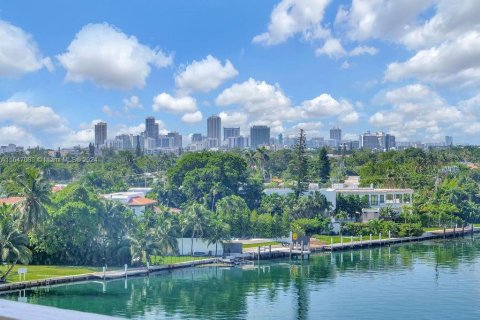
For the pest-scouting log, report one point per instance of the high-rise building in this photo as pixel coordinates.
(100, 133)
(231, 133)
(280, 139)
(336, 134)
(377, 141)
(259, 136)
(151, 128)
(197, 137)
(177, 139)
(214, 129)
(448, 141)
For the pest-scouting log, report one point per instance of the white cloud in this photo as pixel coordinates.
(258, 98)
(132, 103)
(18, 52)
(454, 62)
(417, 112)
(109, 111)
(17, 135)
(167, 103)
(350, 117)
(381, 19)
(332, 48)
(40, 117)
(290, 17)
(345, 65)
(192, 117)
(109, 58)
(324, 106)
(234, 119)
(363, 50)
(204, 75)
(135, 130)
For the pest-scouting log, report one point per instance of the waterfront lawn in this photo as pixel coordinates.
(261, 244)
(346, 239)
(35, 272)
(159, 260)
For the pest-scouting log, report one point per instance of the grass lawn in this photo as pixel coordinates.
(157, 260)
(346, 239)
(476, 225)
(261, 244)
(45, 272)
(433, 229)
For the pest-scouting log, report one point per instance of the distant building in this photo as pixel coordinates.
(231, 133)
(377, 141)
(236, 142)
(133, 199)
(100, 133)
(448, 141)
(151, 128)
(177, 139)
(280, 139)
(214, 129)
(336, 134)
(197, 137)
(259, 136)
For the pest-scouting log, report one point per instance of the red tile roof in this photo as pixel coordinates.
(11, 200)
(140, 201)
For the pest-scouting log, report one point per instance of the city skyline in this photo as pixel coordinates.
(417, 81)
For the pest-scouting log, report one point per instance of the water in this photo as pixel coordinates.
(429, 280)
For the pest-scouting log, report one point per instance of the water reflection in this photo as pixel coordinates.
(226, 293)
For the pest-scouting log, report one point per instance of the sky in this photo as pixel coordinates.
(407, 67)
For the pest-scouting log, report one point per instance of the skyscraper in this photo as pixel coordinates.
(100, 133)
(214, 128)
(336, 134)
(151, 128)
(259, 136)
(448, 141)
(197, 137)
(177, 139)
(231, 132)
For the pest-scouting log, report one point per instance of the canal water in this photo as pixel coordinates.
(429, 280)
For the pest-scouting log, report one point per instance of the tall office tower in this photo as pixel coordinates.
(151, 129)
(377, 141)
(100, 133)
(336, 134)
(197, 137)
(280, 139)
(177, 139)
(448, 141)
(259, 136)
(214, 128)
(231, 132)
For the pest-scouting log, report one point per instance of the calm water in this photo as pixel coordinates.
(430, 280)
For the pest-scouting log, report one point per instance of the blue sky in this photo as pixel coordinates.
(409, 67)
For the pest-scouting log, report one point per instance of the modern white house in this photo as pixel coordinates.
(377, 197)
(134, 199)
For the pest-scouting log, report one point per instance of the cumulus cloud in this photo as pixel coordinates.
(17, 135)
(363, 50)
(41, 117)
(171, 104)
(291, 17)
(332, 48)
(418, 111)
(109, 58)
(132, 103)
(192, 117)
(258, 98)
(454, 62)
(204, 75)
(19, 53)
(324, 106)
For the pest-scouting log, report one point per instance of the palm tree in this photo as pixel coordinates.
(197, 218)
(218, 231)
(13, 246)
(166, 240)
(144, 243)
(36, 190)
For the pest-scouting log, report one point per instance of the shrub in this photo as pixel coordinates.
(410, 230)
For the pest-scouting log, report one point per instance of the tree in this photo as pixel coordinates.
(36, 191)
(299, 165)
(197, 220)
(234, 211)
(323, 166)
(13, 246)
(217, 232)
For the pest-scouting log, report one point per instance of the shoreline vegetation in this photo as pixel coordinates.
(217, 196)
(45, 272)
